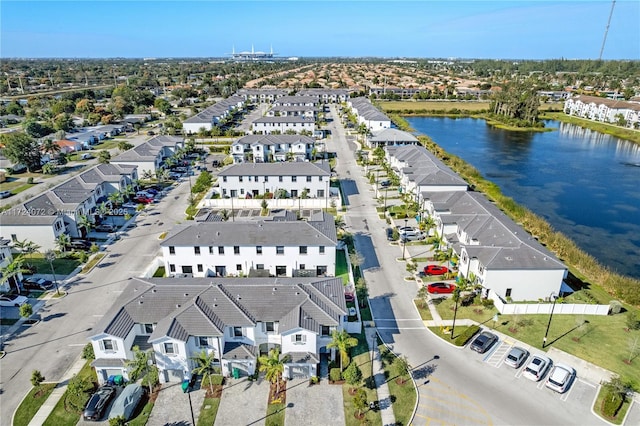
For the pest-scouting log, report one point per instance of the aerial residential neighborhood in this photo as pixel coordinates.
(270, 239)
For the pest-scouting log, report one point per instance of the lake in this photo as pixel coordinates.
(584, 183)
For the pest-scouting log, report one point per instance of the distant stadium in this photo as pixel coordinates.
(255, 56)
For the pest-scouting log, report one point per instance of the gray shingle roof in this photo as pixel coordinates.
(285, 168)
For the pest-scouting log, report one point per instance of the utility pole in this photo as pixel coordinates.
(606, 30)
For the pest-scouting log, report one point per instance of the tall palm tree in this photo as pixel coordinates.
(63, 241)
(273, 366)
(343, 342)
(128, 191)
(205, 366)
(85, 224)
(162, 175)
(139, 365)
(115, 198)
(50, 147)
(12, 270)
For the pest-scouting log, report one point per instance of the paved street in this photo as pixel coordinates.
(52, 345)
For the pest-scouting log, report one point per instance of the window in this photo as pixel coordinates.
(298, 338)
(321, 248)
(14, 237)
(187, 269)
(109, 345)
(281, 270)
(220, 249)
(196, 250)
(236, 249)
(172, 267)
(259, 265)
(320, 193)
(203, 341)
(308, 178)
(280, 179)
(279, 249)
(303, 249)
(237, 331)
(224, 178)
(200, 268)
(148, 328)
(266, 178)
(241, 191)
(270, 327)
(255, 178)
(239, 178)
(210, 249)
(319, 178)
(508, 293)
(258, 249)
(303, 266)
(238, 267)
(172, 250)
(170, 349)
(325, 330)
(294, 178)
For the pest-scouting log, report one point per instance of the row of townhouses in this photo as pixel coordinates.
(236, 319)
(270, 148)
(604, 110)
(493, 251)
(367, 114)
(213, 115)
(149, 156)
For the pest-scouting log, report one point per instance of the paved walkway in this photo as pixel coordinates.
(57, 393)
(313, 405)
(384, 397)
(243, 402)
(174, 407)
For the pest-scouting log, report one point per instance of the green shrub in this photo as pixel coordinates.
(611, 403)
(30, 180)
(487, 303)
(335, 374)
(466, 335)
(353, 374)
(87, 352)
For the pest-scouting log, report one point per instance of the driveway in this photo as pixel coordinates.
(313, 405)
(243, 402)
(174, 407)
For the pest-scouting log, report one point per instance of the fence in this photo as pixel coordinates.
(545, 308)
(274, 203)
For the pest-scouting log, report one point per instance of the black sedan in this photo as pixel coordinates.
(98, 403)
(37, 284)
(483, 342)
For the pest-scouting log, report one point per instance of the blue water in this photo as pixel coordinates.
(584, 183)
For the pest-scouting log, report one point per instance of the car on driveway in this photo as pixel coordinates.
(143, 200)
(12, 300)
(130, 205)
(435, 270)
(440, 288)
(516, 357)
(404, 229)
(483, 342)
(37, 284)
(98, 403)
(385, 183)
(412, 236)
(560, 378)
(105, 227)
(127, 401)
(537, 367)
(349, 297)
(80, 244)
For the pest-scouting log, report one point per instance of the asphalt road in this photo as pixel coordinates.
(54, 344)
(456, 386)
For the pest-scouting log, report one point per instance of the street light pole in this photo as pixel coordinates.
(456, 296)
(544, 341)
(50, 255)
(404, 240)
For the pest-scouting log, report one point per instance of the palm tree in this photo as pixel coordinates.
(343, 342)
(115, 198)
(205, 366)
(273, 366)
(147, 175)
(12, 270)
(139, 365)
(162, 175)
(63, 241)
(84, 223)
(102, 209)
(50, 147)
(128, 191)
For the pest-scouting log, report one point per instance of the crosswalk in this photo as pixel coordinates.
(496, 357)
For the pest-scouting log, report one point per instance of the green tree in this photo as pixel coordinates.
(50, 147)
(21, 149)
(115, 198)
(360, 401)
(124, 146)
(353, 374)
(84, 225)
(104, 157)
(162, 105)
(402, 368)
(205, 366)
(140, 366)
(49, 169)
(26, 310)
(63, 122)
(11, 270)
(36, 378)
(272, 366)
(62, 242)
(343, 342)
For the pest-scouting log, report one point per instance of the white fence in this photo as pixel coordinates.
(545, 308)
(280, 203)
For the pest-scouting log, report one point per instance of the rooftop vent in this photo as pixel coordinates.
(139, 302)
(186, 295)
(177, 305)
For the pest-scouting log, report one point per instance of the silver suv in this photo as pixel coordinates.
(537, 367)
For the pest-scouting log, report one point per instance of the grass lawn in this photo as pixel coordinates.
(208, 415)
(143, 417)
(423, 309)
(61, 267)
(60, 416)
(480, 314)
(341, 266)
(275, 415)
(91, 263)
(32, 403)
(159, 272)
(617, 420)
(439, 106)
(362, 358)
(403, 394)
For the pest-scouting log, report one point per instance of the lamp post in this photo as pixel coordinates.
(50, 255)
(385, 198)
(555, 297)
(456, 297)
(373, 344)
(404, 241)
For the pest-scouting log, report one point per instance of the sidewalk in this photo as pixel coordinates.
(384, 399)
(48, 406)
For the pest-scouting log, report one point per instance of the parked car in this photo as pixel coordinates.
(38, 284)
(560, 378)
(5, 194)
(130, 205)
(143, 200)
(390, 235)
(86, 156)
(483, 342)
(349, 297)
(105, 227)
(385, 183)
(516, 357)
(98, 403)
(537, 367)
(127, 402)
(435, 270)
(404, 229)
(440, 288)
(12, 300)
(80, 244)
(412, 236)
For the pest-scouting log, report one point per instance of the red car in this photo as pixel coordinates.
(348, 297)
(143, 200)
(440, 288)
(435, 270)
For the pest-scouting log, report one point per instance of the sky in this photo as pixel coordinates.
(542, 29)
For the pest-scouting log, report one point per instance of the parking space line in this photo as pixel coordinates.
(495, 358)
(587, 383)
(540, 384)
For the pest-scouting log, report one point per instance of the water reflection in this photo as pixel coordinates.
(582, 182)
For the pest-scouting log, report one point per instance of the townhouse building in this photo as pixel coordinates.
(276, 247)
(269, 148)
(236, 319)
(390, 137)
(310, 112)
(283, 125)
(262, 95)
(11, 283)
(57, 211)
(307, 101)
(149, 156)
(604, 110)
(284, 179)
(326, 96)
(367, 114)
(214, 115)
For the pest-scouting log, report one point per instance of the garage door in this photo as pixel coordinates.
(174, 375)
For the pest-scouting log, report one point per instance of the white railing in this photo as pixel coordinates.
(545, 308)
(279, 203)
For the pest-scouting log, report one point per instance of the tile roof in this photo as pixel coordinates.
(280, 168)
